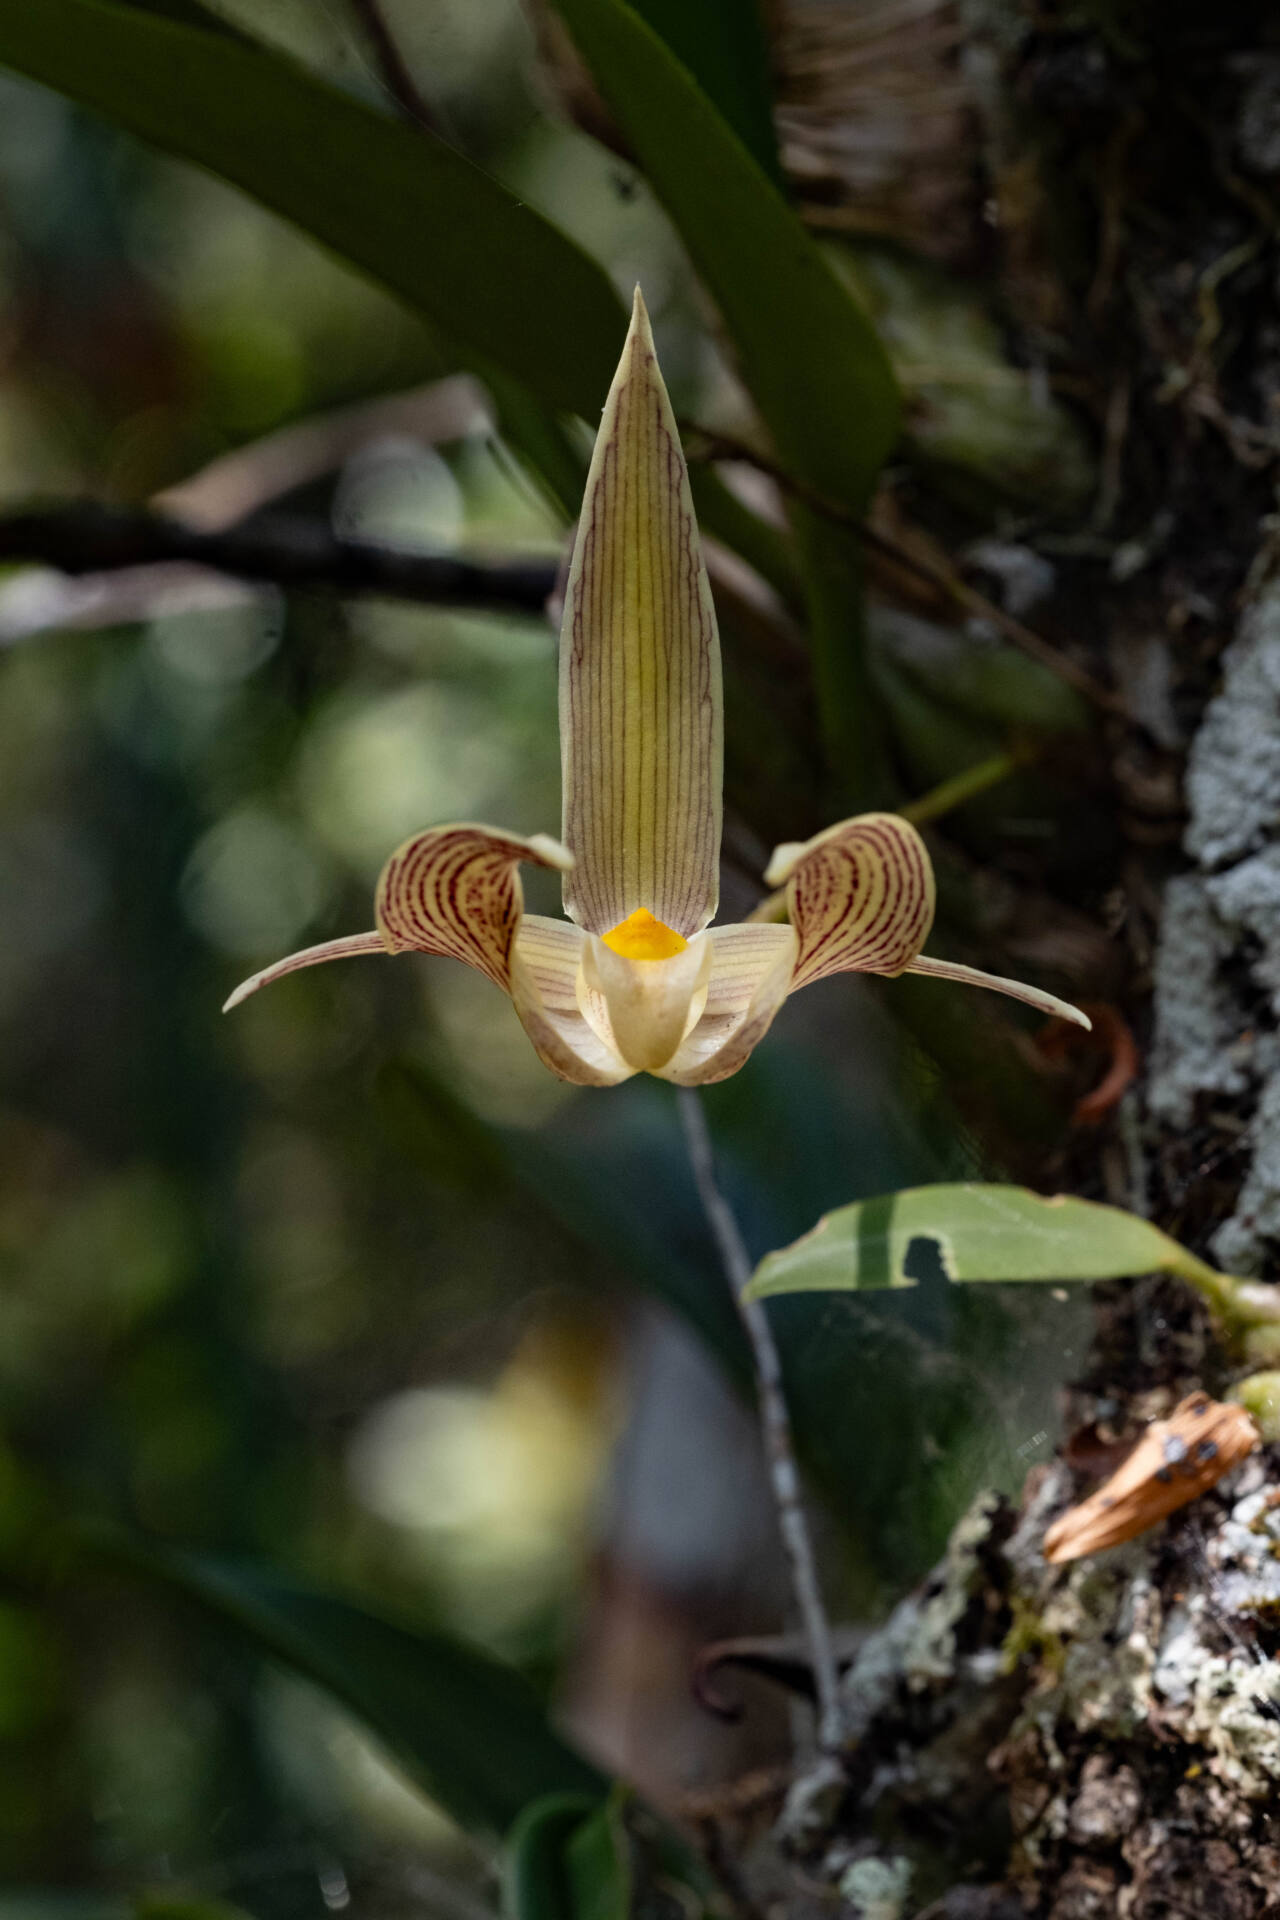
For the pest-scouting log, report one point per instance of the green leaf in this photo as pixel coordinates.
(980, 1232)
(723, 515)
(567, 1859)
(598, 1858)
(724, 46)
(808, 352)
(467, 1729)
(401, 205)
(534, 1877)
(859, 774)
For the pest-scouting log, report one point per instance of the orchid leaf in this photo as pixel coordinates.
(859, 775)
(979, 1233)
(467, 1729)
(947, 1362)
(567, 1860)
(485, 270)
(499, 281)
(723, 44)
(722, 515)
(535, 1875)
(809, 354)
(598, 1859)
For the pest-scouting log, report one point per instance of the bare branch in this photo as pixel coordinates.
(284, 550)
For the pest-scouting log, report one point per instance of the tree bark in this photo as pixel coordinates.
(1103, 1739)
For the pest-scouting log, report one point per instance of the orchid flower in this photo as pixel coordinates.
(636, 979)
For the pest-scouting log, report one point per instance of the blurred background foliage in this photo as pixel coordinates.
(347, 1284)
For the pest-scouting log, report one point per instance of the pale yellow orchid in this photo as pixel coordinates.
(636, 979)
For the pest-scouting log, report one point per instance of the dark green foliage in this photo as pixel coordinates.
(468, 1730)
(498, 281)
(810, 357)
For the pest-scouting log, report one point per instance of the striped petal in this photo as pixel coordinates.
(347, 949)
(451, 890)
(1015, 989)
(546, 962)
(860, 897)
(640, 691)
(750, 977)
(456, 891)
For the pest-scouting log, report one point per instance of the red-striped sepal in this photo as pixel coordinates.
(860, 897)
(456, 891)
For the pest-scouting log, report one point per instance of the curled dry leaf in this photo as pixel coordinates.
(1112, 1040)
(783, 1658)
(1174, 1462)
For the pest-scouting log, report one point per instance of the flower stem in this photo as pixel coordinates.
(775, 1425)
(961, 787)
(929, 806)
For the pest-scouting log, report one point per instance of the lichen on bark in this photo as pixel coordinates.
(1105, 1736)
(1217, 973)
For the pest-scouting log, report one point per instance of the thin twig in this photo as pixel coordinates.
(775, 1424)
(285, 549)
(396, 77)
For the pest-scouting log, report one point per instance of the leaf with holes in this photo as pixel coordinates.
(980, 1232)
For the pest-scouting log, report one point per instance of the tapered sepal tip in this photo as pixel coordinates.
(1037, 997)
(640, 328)
(640, 692)
(346, 948)
(781, 862)
(550, 852)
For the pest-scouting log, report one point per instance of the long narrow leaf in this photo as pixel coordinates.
(724, 46)
(408, 209)
(810, 356)
(466, 1728)
(543, 1880)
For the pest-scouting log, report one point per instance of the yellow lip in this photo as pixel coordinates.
(642, 937)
